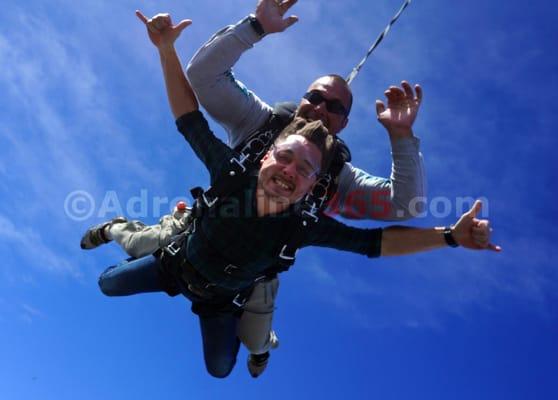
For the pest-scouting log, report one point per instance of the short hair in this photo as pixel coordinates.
(316, 133)
(339, 79)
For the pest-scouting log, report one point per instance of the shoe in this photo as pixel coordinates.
(257, 363)
(95, 236)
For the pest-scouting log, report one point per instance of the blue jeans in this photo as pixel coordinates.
(143, 275)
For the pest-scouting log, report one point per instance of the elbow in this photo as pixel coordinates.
(409, 208)
(194, 71)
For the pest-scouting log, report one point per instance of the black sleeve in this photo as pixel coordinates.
(209, 149)
(328, 232)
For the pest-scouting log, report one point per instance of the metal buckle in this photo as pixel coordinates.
(172, 249)
(311, 215)
(312, 212)
(243, 158)
(230, 268)
(286, 257)
(239, 301)
(209, 203)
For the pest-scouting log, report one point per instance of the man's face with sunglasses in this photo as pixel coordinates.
(327, 100)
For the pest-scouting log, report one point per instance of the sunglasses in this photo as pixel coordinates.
(333, 106)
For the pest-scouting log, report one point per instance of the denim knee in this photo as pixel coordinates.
(105, 285)
(220, 368)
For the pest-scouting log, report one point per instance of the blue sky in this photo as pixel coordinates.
(84, 109)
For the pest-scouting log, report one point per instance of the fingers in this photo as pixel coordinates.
(404, 95)
(285, 5)
(410, 94)
(183, 24)
(141, 17)
(475, 209)
(380, 107)
(293, 19)
(494, 247)
(394, 95)
(160, 21)
(481, 236)
(418, 90)
(408, 90)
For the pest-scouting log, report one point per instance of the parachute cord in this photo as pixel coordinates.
(356, 69)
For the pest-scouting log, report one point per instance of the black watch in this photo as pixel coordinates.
(448, 237)
(258, 28)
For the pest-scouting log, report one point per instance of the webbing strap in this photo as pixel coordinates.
(356, 69)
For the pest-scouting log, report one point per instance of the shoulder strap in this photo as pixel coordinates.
(310, 208)
(248, 154)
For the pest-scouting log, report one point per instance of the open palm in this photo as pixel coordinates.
(401, 111)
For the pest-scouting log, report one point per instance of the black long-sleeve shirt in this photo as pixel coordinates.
(231, 233)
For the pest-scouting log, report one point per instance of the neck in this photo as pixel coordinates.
(267, 205)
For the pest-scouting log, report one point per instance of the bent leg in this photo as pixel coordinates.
(255, 323)
(136, 238)
(220, 344)
(132, 276)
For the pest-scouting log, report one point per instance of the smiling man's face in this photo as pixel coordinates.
(334, 91)
(289, 169)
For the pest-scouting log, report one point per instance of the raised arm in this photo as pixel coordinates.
(363, 196)
(190, 122)
(225, 98)
(163, 33)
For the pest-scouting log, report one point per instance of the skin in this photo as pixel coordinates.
(403, 103)
(397, 117)
(330, 89)
(280, 185)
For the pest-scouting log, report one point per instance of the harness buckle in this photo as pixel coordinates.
(239, 300)
(209, 203)
(240, 163)
(287, 257)
(311, 214)
(172, 249)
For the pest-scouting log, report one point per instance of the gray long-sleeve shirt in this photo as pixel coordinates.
(359, 195)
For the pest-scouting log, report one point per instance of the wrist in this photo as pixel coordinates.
(449, 237)
(166, 49)
(396, 134)
(256, 25)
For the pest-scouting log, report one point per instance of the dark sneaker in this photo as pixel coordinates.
(257, 363)
(95, 236)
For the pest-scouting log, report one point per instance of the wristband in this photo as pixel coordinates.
(258, 28)
(448, 237)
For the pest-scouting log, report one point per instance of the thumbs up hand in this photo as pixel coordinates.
(473, 233)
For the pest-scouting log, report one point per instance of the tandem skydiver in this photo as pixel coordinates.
(243, 226)
(352, 192)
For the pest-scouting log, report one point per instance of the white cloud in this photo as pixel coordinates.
(29, 245)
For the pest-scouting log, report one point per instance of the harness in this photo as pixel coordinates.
(247, 158)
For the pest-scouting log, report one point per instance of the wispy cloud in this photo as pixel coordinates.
(421, 291)
(29, 245)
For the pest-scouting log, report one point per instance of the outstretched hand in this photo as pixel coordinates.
(161, 30)
(402, 108)
(473, 233)
(270, 13)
